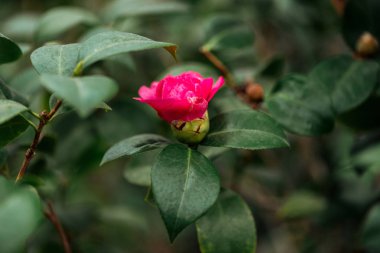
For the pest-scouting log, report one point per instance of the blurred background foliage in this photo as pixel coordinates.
(318, 196)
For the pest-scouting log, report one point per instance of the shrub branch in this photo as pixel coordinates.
(44, 118)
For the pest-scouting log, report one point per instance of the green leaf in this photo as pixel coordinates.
(297, 114)
(302, 204)
(84, 94)
(9, 51)
(10, 109)
(8, 93)
(185, 185)
(346, 81)
(134, 145)
(138, 175)
(308, 105)
(369, 157)
(247, 129)
(27, 83)
(127, 8)
(233, 38)
(371, 230)
(59, 20)
(20, 214)
(299, 107)
(56, 59)
(138, 168)
(21, 26)
(105, 44)
(12, 129)
(227, 227)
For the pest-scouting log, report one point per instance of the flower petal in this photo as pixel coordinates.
(203, 89)
(148, 92)
(172, 109)
(219, 83)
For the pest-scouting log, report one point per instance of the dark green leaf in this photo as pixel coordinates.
(308, 105)
(20, 214)
(134, 145)
(56, 59)
(8, 93)
(297, 114)
(347, 82)
(105, 44)
(300, 107)
(84, 94)
(371, 230)
(185, 185)
(227, 227)
(59, 20)
(9, 51)
(11, 129)
(10, 109)
(247, 129)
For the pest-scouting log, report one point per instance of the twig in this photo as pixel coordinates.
(52, 216)
(44, 119)
(219, 65)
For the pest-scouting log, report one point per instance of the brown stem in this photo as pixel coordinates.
(44, 119)
(52, 216)
(219, 65)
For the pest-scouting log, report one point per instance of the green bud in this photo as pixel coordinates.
(191, 132)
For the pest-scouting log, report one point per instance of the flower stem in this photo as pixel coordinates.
(52, 216)
(44, 118)
(219, 65)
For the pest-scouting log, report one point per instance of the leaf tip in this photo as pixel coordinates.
(173, 51)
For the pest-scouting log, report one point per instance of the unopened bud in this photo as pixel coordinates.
(191, 132)
(367, 45)
(255, 92)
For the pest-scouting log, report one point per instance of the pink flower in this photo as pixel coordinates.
(183, 97)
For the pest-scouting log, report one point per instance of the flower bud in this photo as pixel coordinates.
(367, 45)
(191, 132)
(255, 92)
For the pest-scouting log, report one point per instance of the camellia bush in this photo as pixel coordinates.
(187, 126)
